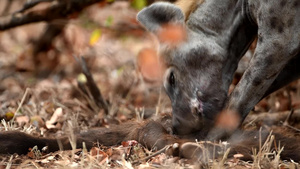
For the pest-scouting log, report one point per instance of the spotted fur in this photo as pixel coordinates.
(218, 35)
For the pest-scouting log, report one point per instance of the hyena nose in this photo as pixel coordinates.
(201, 96)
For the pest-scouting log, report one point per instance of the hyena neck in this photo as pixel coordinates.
(232, 31)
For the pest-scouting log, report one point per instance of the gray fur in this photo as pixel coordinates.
(218, 34)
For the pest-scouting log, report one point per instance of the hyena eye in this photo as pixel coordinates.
(172, 79)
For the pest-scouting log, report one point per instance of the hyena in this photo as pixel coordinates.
(201, 68)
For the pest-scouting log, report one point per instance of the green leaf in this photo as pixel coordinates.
(139, 4)
(109, 21)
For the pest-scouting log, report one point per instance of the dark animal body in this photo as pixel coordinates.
(199, 73)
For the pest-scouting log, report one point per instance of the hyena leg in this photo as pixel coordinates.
(275, 50)
(264, 68)
(290, 73)
(277, 45)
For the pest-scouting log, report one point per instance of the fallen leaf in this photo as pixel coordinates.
(22, 120)
(37, 121)
(95, 36)
(58, 113)
(129, 143)
(9, 115)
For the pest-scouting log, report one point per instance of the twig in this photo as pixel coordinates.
(20, 105)
(87, 96)
(44, 42)
(7, 7)
(291, 127)
(270, 118)
(58, 9)
(90, 87)
(286, 122)
(152, 155)
(9, 162)
(225, 157)
(31, 3)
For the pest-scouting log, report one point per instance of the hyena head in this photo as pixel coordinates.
(193, 79)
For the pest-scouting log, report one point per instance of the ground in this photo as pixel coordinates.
(39, 94)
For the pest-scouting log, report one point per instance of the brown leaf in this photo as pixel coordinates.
(22, 120)
(9, 115)
(31, 154)
(37, 121)
(129, 143)
(95, 151)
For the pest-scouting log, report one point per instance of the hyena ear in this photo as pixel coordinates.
(159, 14)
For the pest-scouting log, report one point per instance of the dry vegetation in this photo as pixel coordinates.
(40, 95)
